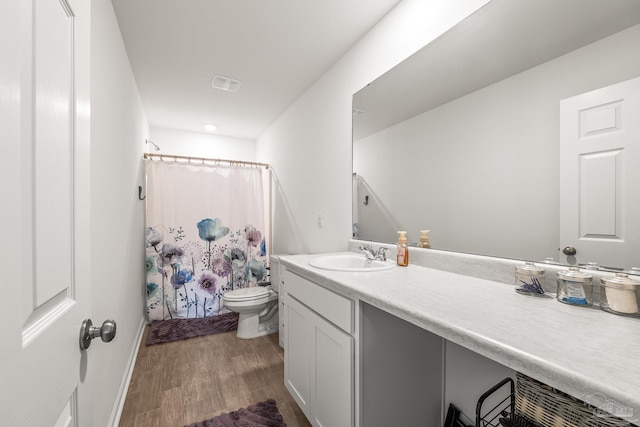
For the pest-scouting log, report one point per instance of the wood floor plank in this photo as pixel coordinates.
(179, 383)
(197, 410)
(171, 410)
(147, 419)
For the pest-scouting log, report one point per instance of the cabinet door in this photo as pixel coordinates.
(333, 375)
(298, 353)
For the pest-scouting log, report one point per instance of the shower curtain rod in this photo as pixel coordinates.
(203, 160)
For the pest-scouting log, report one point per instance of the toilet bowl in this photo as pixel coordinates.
(257, 308)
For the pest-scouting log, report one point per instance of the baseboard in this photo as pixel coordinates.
(116, 413)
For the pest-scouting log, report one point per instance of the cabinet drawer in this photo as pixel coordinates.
(333, 307)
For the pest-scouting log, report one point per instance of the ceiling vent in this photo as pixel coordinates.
(226, 83)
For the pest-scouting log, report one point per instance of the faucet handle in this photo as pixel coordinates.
(382, 253)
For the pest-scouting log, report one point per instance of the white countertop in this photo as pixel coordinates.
(579, 350)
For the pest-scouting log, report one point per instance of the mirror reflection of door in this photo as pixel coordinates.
(600, 176)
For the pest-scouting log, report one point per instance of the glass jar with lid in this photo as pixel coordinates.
(529, 279)
(620, 295)
(575, 287)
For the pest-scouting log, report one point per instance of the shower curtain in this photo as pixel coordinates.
(206, 232)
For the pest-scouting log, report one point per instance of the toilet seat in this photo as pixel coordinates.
(246, 294)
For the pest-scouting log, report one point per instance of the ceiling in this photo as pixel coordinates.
(276, 48)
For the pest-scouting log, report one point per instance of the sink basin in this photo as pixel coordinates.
(349, 262)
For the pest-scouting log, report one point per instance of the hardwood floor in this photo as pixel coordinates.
(179, 383)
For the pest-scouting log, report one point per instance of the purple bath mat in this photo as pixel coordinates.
(263, 414)
(162, 331)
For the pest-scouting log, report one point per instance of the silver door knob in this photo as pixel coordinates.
(106, 332)
(569, 250)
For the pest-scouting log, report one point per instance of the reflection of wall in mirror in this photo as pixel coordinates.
(482, 171)
(372, 219)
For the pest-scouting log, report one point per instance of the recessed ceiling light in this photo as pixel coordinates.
(210, 128)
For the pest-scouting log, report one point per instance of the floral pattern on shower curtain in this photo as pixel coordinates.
(205, 235)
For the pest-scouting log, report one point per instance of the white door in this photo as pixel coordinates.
(600, 176)
(44, 129)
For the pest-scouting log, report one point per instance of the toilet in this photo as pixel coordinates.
(257, 308)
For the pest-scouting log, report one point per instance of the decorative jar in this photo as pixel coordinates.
(620, 295)
(575, 287)
(529, 279)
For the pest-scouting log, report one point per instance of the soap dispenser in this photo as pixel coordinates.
(403, 249)
(424, 239)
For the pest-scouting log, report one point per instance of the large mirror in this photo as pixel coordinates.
(462, 138)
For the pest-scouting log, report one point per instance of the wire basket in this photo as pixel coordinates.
(502, 394)
(549, 407)
(497, 407)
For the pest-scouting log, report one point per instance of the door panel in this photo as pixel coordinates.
(600, 202)
(298, 353)
(53, 151)
(599, 176)
(333, 375)
(45, 95)
(66, 416)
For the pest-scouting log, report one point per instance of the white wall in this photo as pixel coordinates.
(309, 146)
(118, 130)
(207, 145)
(482, 172)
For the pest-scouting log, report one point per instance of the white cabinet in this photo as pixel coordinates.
(319, 356)
(277, 271)
(298, 357)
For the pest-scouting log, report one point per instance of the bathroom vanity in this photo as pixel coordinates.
(395, 347)
(319, 349)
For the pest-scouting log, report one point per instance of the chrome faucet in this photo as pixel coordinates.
(371, 254)
(368, 252)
